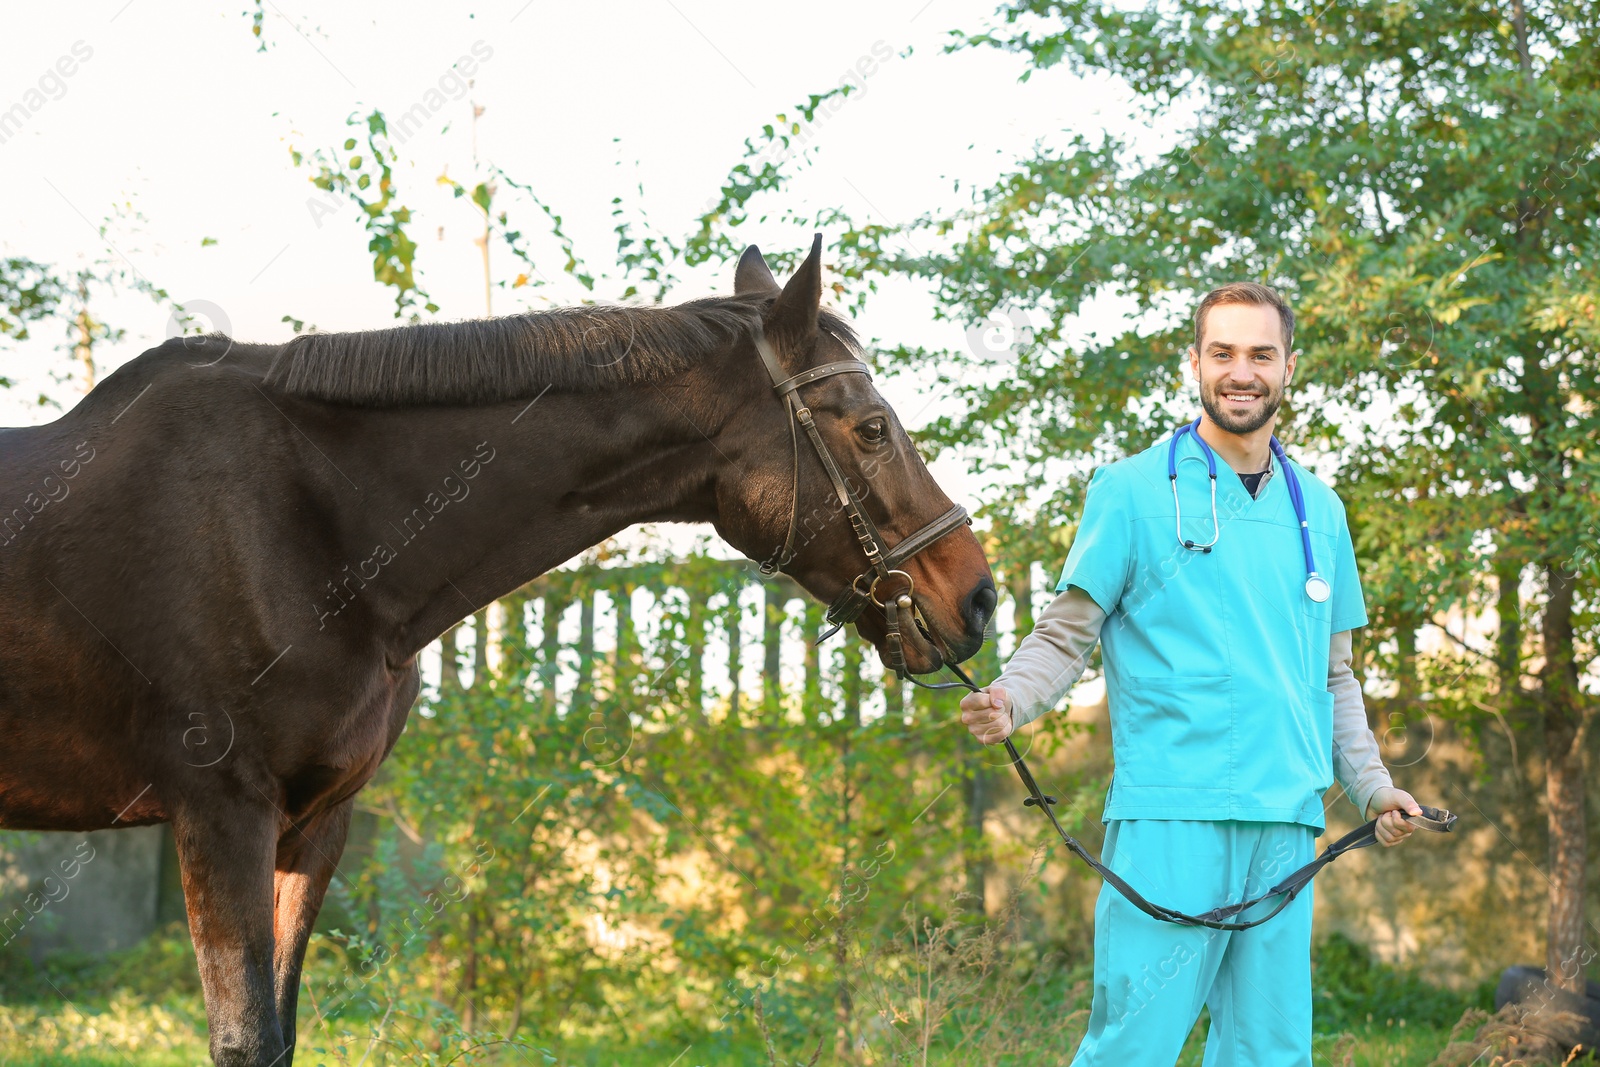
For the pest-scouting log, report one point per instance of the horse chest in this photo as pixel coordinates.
(350, 744)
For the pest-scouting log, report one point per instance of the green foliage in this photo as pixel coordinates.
(29, 293)
(33, 293)
(257, 13)
(1350, 989)
(160, 965)
(1418, 178)
(497, 224)
(763, 170)
(168, 1058)
(561, 842)
(367, 180)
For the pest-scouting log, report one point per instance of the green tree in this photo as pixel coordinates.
(1419, 178)
(34, 293)
(29, 293)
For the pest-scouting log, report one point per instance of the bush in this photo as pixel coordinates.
(154, 969)
(1350, 989)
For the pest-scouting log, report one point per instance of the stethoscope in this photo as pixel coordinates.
(1317, 587)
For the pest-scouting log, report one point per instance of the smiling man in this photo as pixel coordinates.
(1219, 578)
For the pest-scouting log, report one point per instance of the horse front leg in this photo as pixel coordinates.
(306, 859)
(226, 847)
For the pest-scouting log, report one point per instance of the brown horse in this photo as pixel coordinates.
(217, 571)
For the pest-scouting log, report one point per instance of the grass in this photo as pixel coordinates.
(171, 1033)
(144, 1035)
(1374, 1046)
(108, 1059)
(143, 1008)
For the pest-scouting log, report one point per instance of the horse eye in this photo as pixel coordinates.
(873, 432)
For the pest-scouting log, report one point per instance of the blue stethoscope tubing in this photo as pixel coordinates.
(1317, 587)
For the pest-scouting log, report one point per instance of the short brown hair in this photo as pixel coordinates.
(1246, 293)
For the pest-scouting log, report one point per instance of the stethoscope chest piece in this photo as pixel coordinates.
(1317, 588)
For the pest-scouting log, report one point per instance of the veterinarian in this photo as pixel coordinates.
(1220, 580)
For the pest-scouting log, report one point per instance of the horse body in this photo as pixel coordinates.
(139, 600)
(214, 587)
(325, 573)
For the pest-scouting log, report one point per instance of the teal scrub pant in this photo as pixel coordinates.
(1151, 977)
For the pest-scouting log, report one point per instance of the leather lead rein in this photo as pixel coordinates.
(1436, 819)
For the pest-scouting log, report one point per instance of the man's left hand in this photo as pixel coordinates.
(1385, 806)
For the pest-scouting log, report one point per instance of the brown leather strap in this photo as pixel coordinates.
(848, 366)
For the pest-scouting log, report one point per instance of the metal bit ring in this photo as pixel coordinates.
(872, 590)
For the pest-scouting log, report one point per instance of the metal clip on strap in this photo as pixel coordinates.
(851, 601)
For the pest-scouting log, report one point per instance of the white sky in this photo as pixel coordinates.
(179, 115)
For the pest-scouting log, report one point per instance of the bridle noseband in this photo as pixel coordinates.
(883, 566)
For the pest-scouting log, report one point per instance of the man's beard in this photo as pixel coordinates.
(1239, 422)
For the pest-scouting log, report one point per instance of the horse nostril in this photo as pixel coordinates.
(980, 604)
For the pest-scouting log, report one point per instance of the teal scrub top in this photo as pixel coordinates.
(1216, 663)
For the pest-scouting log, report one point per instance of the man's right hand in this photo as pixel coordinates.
(987, 714)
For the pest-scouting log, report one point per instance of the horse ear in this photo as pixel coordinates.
(752, 274)
(794, 313)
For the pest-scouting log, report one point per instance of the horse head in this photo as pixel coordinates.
(833, 493)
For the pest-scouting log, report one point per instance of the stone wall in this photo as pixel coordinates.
(95, 892)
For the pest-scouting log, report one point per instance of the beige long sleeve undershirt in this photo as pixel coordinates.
(1049, 661)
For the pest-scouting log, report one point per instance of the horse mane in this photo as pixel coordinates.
(590, 348)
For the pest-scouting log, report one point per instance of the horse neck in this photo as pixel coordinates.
(468, 504)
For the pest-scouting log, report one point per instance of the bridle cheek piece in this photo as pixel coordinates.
(882, 566)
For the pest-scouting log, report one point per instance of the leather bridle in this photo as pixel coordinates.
(883, 565)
